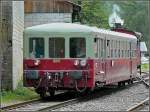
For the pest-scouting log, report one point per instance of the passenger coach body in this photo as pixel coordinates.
(72, 56)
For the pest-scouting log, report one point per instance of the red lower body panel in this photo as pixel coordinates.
(60, 74)
(115, 70)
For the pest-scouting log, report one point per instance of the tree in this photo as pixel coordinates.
(93, 13)
(135, 15)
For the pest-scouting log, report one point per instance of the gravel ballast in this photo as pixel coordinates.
(119, 100)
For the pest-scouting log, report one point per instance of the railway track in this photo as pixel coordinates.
(19, 105)
(145, 102)
(61, 100)
(41, 105)
(144, 78)
(138, 106)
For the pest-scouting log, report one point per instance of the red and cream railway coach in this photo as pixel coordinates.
(64, 56)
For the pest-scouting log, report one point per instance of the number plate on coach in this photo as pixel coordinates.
(56, 60)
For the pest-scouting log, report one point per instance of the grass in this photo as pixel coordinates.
(20, 94)
(145, 67)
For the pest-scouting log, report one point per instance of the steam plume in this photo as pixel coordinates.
(114, 17)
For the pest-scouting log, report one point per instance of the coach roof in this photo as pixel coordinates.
(72, 28)
(59, 27)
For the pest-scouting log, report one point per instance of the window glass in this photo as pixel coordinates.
(108, 48)
(126, 49)
(119, 53)
(135, 55)
(96, 47)
(112, 48)
(56, 47)
(112, 53)
(126, 53)
(36, 47)
(122, 54)
(77, 48)
(117, 42)
(102, 48)
(115, 52)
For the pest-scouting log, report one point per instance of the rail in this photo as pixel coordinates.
(138, 105)
(18, 105)
(143, 80)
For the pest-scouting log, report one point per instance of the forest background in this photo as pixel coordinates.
(134, 14)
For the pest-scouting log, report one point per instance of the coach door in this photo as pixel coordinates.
(102, 53)
(130, 58)
(99, 49)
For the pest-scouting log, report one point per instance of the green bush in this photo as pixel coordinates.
(145, 67)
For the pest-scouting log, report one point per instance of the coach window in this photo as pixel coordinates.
(112, 49)
(135, 47)
(122, 54)
(36, 47)
(122, 49)
(102, 48)
(77, 47)
(119, 49)
(115, 44)
(56, 47)
(134, 54)
(108, 48)
(131, 50)
(96, 47)
(126, 49)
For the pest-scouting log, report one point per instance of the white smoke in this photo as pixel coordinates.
(114, 17)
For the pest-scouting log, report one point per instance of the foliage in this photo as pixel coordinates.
(145, 67)
(134, 13)
(93, 13)
(20, 94)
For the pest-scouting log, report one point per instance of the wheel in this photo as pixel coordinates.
(87, 91)
(42, 92)
(123, 83)
(42, 95)
(119, 84)
(129, 81)
(52, 92)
